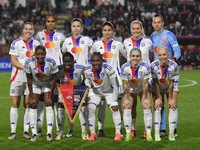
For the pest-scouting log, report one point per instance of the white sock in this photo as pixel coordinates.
(173, 115)
(56, 115)
(157, 119)
(101, 114)
(40, 115)
(83, 119)
(33, 120)
(127, 120)
(117, 120)
(26, 119)
(91, 117)
(148, 120)
(61, 119)
(13, 119)
(133, 124)
(50, 119)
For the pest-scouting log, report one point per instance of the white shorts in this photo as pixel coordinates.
(41, 89)
(18, 88)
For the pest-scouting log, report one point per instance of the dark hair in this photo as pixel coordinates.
(40, 47)
(97, 53)
(108, 23)
(68, 54)
(52, 16)
(29, 23)
(159, 15)
(77, 19)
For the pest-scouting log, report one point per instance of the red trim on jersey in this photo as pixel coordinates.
(13, 78)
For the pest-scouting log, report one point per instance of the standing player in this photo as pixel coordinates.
(21, 49)
(135, 75)
(164, 73)
(52, 40)
(138, 39)
(70, 73)
(79, 46)
(163, 37)
(41, 77)
(110, 49)
(104, 84)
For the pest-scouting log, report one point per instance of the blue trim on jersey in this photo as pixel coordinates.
(51, 61)
(107, 66)
(145, 65)
(77, 66)
(124, 66)
(171, 35)
(87, 68)
(19, 39)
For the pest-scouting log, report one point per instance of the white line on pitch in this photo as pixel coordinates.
(193, 83)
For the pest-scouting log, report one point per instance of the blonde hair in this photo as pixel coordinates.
(140, 23)
(163, 47)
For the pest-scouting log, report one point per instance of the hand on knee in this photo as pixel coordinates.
(146, 105)
(114, 108)
(49, 104)
(33, 105)
(127, 105)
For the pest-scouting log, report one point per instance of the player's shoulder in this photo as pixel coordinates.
(153, 34)
(125, 65)
(174, 64)
(16, 41)
(145, 65)
(39, 32)
(154, 64)
(107, 66)
(118, 40)
(147, 39)
(87, 68)
(96, 41)
(36, 40)
(170, 34)
(86, 37)
(30, 60)
(50, 60)
(60, 32)
(78, 66)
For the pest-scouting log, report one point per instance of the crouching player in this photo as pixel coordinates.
(135, 74)
(71, 74)
(41, 71)
(104, 85)
(164, 73)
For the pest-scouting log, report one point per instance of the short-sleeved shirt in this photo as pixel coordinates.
(101, 80)
(135, 77)
(73, 77)
(110, 52)
(145, 45)
(168, 39)
(23, 50)
(52, 43)
(164, 75)
(42, 74)
(79, 48)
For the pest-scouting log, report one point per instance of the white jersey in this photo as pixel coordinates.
(52, 43)
(42, 74)
(23, 50)
(135, 77)
(145, 45)
(110, 52)
(79, 48)
(71, 78)
(164, 75)
(101, 81)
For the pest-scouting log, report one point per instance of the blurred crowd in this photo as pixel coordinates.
(180, 16)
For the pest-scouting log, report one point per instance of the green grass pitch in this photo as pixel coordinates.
(188, 124)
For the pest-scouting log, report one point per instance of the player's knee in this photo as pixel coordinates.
(127, 105)
(33, 105)
(49, 104)
(146, 105)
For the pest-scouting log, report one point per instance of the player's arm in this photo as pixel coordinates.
(175, 47)
(53, 83)
(15, 63)
(114, 104)
(30, 87)
(145, 87)
(171, 101)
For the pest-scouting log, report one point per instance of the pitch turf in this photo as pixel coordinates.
(188, 124)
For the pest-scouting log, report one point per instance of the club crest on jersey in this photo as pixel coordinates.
(140, 72)
(34, 46)
(56, 38)
(113, 46)
(163, 41)
(143, 44)
(12, 48)
(77, 98)
(47, 69)
(76, 74)
(102, 74)
(82, 42)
